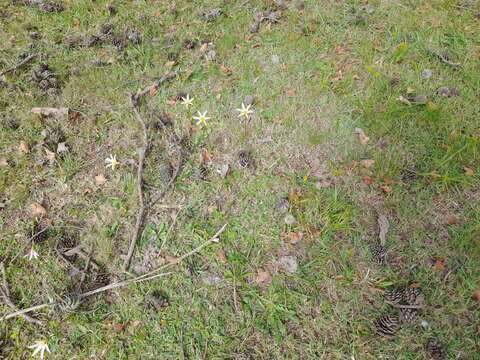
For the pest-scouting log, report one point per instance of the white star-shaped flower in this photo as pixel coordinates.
(40, 346)
(201, 119)
(187, 101)
(112, 162)
(245, 111)
(32, 254)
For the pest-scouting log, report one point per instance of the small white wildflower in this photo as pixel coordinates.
(112, 162)
(201, 119)
(245, 111)
(40, 346)
(32, 254)
(187, 101)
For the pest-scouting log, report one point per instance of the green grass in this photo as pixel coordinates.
(316, 76)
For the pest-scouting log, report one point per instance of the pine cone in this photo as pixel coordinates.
(435, 350)
(393, 296)
(413, 296)
(408, 316)
(379, 253)
(386, 325)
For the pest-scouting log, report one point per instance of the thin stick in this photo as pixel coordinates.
(141, 201)
(5, 292)
(142, 92)
(85, 269)
(146, 277)
(19, 65)
(134, 102)
(214, 238)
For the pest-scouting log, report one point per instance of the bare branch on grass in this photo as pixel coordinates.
(5, 292)
(19, 65)
(145, 277)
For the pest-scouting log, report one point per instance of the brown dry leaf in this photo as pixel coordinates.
(226, 70)
(476, 296)
(368, 180)
(290, 92)
(118, 327)
(362, 138)
(23, 147)
(292, 237)
(386, 189)
(368, 163)
(100, 179)
(3, 161)
(153, 90)
(263, 277)
(37, 209)
(203, 48)
(172, 260)
(452, 220)
(206, 158)
(439, 264)
(133, 325)
(468, 171)
(221, 256)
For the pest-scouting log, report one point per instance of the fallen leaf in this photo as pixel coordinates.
(100, 179)
(292, 237)
(368, 180)
(386, 189)
(476, 296)
(172, 260)
(221, 256)
(48, 111)
(368, 163)
(206, 158)
(452, 220)
(262, 277)
(468, 171)
(203, 48)
(118, 327)
(153, 90)
(37, 209)
(362, 138)
(439, 264)
(226, 70)
(290, 92)
(23, 147)
(3, 161)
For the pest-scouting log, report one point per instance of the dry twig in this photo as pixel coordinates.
(5, 292)
(19, 65)
(135, 103)
(145, 277)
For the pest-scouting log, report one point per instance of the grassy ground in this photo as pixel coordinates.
(272, 288)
